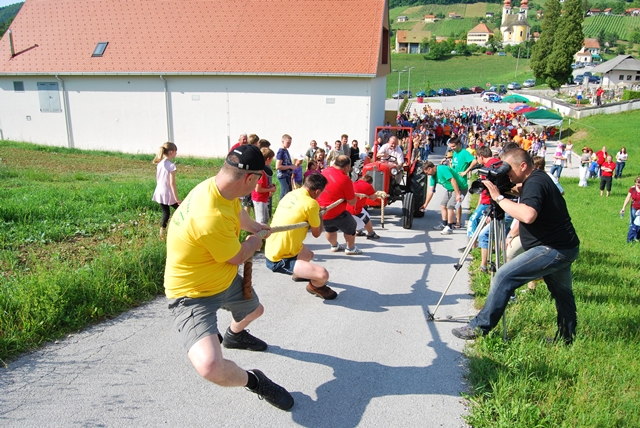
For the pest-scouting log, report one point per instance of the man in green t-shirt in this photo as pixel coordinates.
(456, 188)
(462, 161)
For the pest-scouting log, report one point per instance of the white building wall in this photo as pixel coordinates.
(21, 118)
(207, 113)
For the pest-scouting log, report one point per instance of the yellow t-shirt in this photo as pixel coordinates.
(297, 206)
(202, 236)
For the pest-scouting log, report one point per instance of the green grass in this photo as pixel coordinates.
(526, 382)
(621, 25)
(455, 71)
(78, 238)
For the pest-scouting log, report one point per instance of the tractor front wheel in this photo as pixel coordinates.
(407, 210)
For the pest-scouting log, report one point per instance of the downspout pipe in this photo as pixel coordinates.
(167, 102)
(67, 116)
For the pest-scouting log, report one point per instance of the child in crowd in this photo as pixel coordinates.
(166, 193)
(264, 189)
(296, 176)
(360, 215)
(312, 168)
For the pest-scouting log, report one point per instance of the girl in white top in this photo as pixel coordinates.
(569, 152)
(621, 160)
(166, 193)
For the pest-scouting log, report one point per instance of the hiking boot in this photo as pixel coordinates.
(360, 233)
(446, 231)
(355, 251)
(323, 292)
(337, 248)
(270, 391)
(298, 279)
(439, 227)
(466, 332)
(242, 340)
(373, 235)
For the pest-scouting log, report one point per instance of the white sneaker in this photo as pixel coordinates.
(337, 248)
(446, 231)
(355, 251)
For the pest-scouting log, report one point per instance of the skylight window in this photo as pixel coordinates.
(100, 48)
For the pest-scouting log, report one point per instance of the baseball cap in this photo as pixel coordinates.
(250, 158)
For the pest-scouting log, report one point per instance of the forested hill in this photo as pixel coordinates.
(396, 3)
(7, 14)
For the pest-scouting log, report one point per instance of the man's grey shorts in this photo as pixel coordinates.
(195, 318)
(449, 199)
(344, 223)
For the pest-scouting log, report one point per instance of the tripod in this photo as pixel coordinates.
(496, 258)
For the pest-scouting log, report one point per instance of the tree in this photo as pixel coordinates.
(568, 40)
(542, 49)
(495, 43)
(620, 50)
(635, 37)
(601, 38)
(436, 50)
(585, 7)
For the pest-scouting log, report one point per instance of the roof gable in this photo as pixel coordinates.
(480, 28)
(198, 36)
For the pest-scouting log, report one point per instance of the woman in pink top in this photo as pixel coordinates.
(166, 193)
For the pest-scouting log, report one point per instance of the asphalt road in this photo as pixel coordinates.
(369, 358)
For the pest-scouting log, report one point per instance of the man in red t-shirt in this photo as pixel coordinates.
(363, 187)
(601, 156)
(339, 186)
(606, 175)
(242, 140)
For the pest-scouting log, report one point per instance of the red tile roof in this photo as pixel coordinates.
(480, 28)
(333, 37)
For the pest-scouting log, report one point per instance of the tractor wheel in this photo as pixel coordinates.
(356, 171)
(418, 183)
(407, 210)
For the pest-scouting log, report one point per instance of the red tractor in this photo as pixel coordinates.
(411, 191)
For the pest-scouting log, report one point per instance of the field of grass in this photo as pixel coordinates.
(456, 71)
(79, 238)
(622, 25)
(527, 382)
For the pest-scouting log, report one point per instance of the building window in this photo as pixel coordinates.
(100, 48)
(621, 77)
(628, 77)
(49, 97)
(18, 86)
(637, 78)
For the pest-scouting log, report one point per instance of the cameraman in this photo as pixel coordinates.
(550, 242)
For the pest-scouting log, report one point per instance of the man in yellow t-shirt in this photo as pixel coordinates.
(285, 251)
(201, 274)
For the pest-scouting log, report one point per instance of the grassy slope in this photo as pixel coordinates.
(456, 71)
(596, 382)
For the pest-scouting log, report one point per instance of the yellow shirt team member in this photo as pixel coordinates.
(201, 274)
(285, 251)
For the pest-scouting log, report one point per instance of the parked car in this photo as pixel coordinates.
(429, 93)
(501, 89)
(594, 79)
(446, 92)
(463, 90)
(578, 79)
(587, 74)
(489, 53)
(491, 97)
(514, 85)
(502, 54)
(477, 89)
(453, 52)
(402, 94)
(529, 83)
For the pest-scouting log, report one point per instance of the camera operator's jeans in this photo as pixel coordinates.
(553, 265)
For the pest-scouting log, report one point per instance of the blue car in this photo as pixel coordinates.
(446, 92)
(429, 93)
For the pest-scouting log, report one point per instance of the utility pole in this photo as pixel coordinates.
(409, 81)
(517, 61)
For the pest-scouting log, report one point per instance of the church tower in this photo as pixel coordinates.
(506, 10)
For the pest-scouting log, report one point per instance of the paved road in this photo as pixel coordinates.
(369, 358)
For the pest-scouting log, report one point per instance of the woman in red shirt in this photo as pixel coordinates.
(606, 175)
(634, 197)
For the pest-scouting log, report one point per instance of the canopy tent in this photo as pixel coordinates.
(526, 109)
(544, 118)
(513, 106)
(515, 98)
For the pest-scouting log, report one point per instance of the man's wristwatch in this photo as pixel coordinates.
(499, 198)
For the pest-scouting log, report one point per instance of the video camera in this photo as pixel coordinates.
(497, 174)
